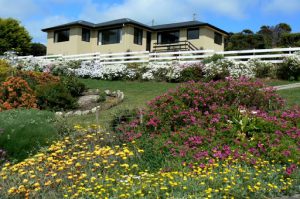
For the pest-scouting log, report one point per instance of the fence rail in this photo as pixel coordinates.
(274, 55)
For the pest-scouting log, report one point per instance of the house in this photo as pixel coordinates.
(124, 35)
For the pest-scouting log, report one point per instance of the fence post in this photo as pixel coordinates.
(141, 115)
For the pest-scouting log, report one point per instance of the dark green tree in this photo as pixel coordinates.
(13, 36)
(37, 49)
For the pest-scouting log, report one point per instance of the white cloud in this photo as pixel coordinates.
(284, 6)
(34, 27)
(163, 11)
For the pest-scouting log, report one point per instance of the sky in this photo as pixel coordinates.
(229, 15)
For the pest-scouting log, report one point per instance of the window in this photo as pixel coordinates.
(138, 36)
(61, 35)
(168, 37)
(218, 38)
(193, 33)
(86, 34)
(111, 36)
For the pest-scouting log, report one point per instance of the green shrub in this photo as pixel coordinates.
(262, 69)
(192, 72)
(5, 70)
(55, 97)
(25, 131)
(289, 69)
(102, 97)
(213, 58)
(74, 86)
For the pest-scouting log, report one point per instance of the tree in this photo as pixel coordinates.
(37, 49)
(267, 34)
(13, 36)
(278, 31)
(242, 41)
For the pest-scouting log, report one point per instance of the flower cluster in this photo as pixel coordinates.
(16, 93)
(84, 166)
(94, 69)
(200, 121)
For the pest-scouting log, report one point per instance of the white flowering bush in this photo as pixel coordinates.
(94, 69)
(218, 69)
(262, 69)
(290, 68)
(161, 71)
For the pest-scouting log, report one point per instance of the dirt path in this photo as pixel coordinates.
(287, 86)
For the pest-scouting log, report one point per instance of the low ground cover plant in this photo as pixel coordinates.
(24, 131)
(198, 122)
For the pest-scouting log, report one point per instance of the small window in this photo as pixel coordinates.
(111, 36)
(61, 35)
(193, 33)
(86, 34)
(218, 38)
(138, 36)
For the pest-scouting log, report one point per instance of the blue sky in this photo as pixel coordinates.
(230, 15)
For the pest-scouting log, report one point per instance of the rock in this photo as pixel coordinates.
(107, 92)
(98, 107)
(59, 113)
(121, 96)
(69, 113)
(77, 112)
(84, 101)
(94, 110)
(85, 112)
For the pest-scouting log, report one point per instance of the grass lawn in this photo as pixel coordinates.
(136, 96)
(291, 95)
(275, 82)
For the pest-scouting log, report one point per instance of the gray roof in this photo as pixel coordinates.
(178, 25)
(136, 23)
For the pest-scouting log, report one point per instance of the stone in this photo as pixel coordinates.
(107, 92)
(77, 112)
(69, 113)
(59, 113)
(93, 110)
(83, 101)
(85, 112)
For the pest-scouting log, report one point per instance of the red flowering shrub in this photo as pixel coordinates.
(37, 78)
(15, 93)
(199, 122)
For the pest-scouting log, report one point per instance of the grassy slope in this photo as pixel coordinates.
(23, 131)
(291, 95)
(136, 96)
(138, 93)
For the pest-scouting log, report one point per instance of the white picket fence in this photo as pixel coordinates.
(274, 55)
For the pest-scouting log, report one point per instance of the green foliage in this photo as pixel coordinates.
(74, 86)
(262, 69)
(25, 131)
(289, 69)
(122, 116)
(5, 70)
(290, 40)
(102, 97)
(213, 58)
(266, 37)
(194, 73)
(37, 49)
(55, 96)
(241, 41)
(13, 36)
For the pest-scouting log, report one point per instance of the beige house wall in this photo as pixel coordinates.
(205, 41)
(75, 45)
(66, 47)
